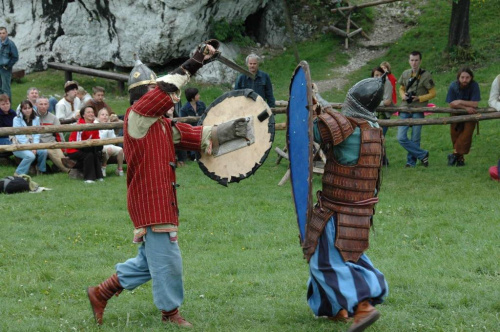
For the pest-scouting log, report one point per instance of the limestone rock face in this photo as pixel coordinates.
(106, 33)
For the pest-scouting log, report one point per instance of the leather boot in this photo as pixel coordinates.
(364, 316)
(174, 317)
(99, 296)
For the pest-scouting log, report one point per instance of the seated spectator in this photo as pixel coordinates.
(47, 119)
(67, 109)
(31, 95)
(7, 116)
(494, 100)
(88, 159)
(83, 95)
(97, 100)
(109, 150)
(27, 118)
(386, 66)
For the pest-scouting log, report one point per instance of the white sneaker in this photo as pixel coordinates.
(100, 180)
(89, 181)
(119, 172)
(103, 172)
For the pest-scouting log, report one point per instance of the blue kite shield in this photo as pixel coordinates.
(300, 140)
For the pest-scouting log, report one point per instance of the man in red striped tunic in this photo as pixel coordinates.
(149, 138)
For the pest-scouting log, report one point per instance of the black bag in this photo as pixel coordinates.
(13, 185)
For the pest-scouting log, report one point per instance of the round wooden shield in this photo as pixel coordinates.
(300, 144)
(238, 159)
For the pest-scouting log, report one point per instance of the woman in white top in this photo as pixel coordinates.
(109, 150)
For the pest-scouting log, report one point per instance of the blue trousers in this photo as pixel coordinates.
(334, 284)
(411, 145)
(159, 260)
(28, 157)
(5, 78)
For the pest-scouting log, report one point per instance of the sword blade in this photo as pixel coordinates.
(234, 66)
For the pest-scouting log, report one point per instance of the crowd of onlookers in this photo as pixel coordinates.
(415, 88)
(78, 107)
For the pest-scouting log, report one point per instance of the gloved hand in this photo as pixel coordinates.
(205, 51)
(229, 131)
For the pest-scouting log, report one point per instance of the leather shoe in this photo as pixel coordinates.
(364, 316)
(452, 159)
(174, 317)
(425, 160)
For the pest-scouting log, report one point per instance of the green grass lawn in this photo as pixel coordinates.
(436, 234)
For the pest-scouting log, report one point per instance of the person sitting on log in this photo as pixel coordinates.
(28, 118)
(109, 150)
(88, 158)
(67, 109)
(48, 119)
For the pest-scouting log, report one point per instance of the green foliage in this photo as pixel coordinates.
(231, 32)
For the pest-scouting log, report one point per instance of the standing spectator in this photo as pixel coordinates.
(67, 109)
(261, 84)
(88, 159)
(48, 119)
(8, 57)
(193, 107)
(386, 66)
(31, 95)
(109, 150)
(7, 116)
(462, 93)
(416, 89)
(27, 118)
(494, 100)
(97, 100)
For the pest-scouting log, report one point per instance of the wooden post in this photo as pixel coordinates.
(348, 30)
(68, 75)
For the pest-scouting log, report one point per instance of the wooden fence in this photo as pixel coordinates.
(460, 115)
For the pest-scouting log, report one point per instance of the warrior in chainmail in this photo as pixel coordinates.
(343, 282)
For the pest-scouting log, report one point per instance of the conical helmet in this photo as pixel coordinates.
(140, 75)
(364, 97)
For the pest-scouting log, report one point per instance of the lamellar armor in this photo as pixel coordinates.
(349, 191)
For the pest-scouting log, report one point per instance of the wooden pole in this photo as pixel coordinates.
(61, 145)
(6, 131)
(440, 121)
(368, 4)
(281, 109)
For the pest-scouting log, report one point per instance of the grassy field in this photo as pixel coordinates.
(436, 238)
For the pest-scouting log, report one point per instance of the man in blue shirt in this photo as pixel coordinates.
(8, 57)
(462, 93)
(261, 84)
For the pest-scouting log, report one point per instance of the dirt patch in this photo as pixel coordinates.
(389, 26)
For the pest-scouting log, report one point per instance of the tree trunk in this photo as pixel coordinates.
(459, 25)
